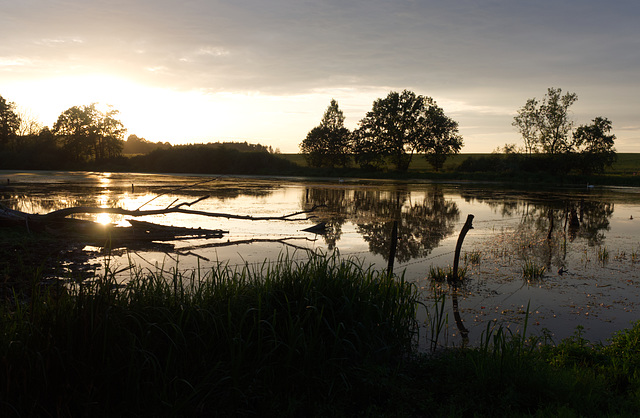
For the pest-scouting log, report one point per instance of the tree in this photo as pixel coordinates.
(366, 151)
(9, 122)
(527, 124)
(88, 134)
(402, 124)
(327, 145)
(74, 130)
(29, 124)
(109, 139)
(546, 125)
(595, 145)
(444, 139)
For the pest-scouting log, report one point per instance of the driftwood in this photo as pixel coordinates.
(58, 223)
(63, 213)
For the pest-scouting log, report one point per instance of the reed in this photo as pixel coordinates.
(437, 274)
(282, 337)
(531, 271)
(441, 275)
(323, 337)
(474, 257)
(603, 255)
(437, 320)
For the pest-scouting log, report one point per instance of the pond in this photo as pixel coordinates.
(582, 242)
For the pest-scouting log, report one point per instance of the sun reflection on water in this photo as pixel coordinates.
(104, 218)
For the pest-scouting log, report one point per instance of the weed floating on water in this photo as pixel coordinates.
(603, 255)
(441, 275)
(474, 257)
(531, 271)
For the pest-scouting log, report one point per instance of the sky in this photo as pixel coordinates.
(264, 71)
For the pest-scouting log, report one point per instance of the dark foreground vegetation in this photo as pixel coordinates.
(323, 337)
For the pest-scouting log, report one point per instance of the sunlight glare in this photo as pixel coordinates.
(105, 181)
(103, 218)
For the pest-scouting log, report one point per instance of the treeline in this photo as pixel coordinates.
(135, 145)
(396, 128)
(516, 163)
(405, 124)
(41, 153)
(211, 159)
(86, 138)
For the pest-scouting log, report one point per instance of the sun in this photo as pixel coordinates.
(48, 97)
(151, 112)
(170, 114)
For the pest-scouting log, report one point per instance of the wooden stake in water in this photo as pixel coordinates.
(467, 226)
(392, 250)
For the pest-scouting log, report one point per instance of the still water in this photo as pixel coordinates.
(585, 238)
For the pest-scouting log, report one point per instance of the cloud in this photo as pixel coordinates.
(476, 58)
(14, 62)
(289, 46)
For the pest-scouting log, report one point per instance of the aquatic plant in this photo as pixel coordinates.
(437, 320)
(603, 255)
(621, 255)
(474, 257)
(327, 337)
(531, 271)
(440, 275)
(437, 274)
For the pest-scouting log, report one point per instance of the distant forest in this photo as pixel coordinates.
(86, 138)
(136, 146)
(138, 154)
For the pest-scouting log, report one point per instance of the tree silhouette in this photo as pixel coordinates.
(547, 124)
(596, 145)
(327, 145)
(88, 134)
(402, 124)
(9, 122)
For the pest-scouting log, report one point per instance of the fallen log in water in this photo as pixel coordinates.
(155, 232)
(63, 213)
(58, 223)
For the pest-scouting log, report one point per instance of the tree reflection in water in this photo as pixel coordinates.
(549, 222)
(422, 222)
(546, 229)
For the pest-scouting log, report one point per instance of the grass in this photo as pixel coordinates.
(324, 337)
(531, 271)
(441, 275)
(474, 257)
(283, 338)
(626, 164)
(603, 255)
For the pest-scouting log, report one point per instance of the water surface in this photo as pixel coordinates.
(584, 237)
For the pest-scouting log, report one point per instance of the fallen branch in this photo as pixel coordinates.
(246, 241)
(63, 213)
(176, 190)
(189, 250)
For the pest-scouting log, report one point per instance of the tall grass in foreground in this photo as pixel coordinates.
(286, 337)
(324, 337)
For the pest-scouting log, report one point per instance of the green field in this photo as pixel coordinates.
(627, 163)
